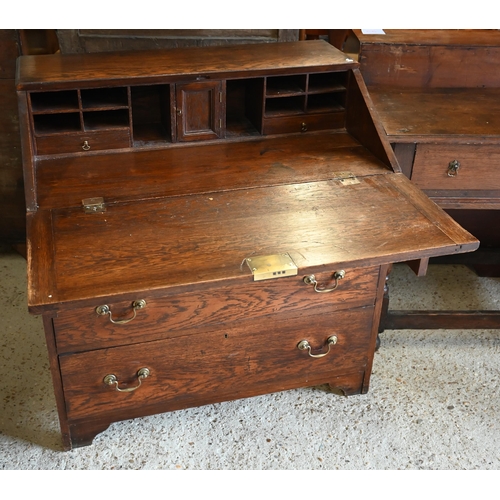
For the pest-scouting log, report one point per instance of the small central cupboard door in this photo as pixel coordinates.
(200, 110)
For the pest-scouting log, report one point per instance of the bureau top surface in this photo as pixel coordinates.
(63, 70)
(449, 37)
(448, 112)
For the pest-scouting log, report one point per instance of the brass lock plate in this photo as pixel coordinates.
(93, 205)
(265, 267)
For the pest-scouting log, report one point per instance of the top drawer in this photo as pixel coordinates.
(183, 314)
(478, 167)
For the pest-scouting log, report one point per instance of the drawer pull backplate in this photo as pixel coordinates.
(105, 309)
(453, 167)
(304, 344)
(141, 374)
(311, 280)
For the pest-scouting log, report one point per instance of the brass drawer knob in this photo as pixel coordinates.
(303, 127)
(453, 167)
(141, 375)
(85, 145)
(311, 280)
(105, 309)
(304, 344)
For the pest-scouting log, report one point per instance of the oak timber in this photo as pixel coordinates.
(140, 241)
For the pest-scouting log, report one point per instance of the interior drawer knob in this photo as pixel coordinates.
(105, 309)
(85, 145)
(141, 375)
(453, 167)
(304, 344)
(311, 280)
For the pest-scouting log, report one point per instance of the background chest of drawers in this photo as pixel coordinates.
(210, 224)
(437, 93)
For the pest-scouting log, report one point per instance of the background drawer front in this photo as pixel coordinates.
(185, 313)
(249, 358)
(72, 143)
(291, 124)
(479, 167)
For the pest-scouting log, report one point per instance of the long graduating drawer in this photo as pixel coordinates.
(182, 314)
(244, 359)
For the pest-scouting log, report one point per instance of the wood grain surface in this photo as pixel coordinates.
(184, 313)
(61, 71)
(438, 114)
(197, 239)
(235, 360)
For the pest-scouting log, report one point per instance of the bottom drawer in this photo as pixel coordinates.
(243, 360)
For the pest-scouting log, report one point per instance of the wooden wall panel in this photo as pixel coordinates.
(12, 206)
(92, 40)
(429, 58)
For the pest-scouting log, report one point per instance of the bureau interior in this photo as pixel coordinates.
(273, 130)
(149, 111)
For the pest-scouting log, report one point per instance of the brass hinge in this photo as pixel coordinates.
(93, 205)
(347, 178)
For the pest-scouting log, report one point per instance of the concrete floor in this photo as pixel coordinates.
(434, 400)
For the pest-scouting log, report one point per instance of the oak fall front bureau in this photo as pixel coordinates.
(210, 224)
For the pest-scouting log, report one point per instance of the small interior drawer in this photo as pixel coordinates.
(302, 123)
(82, 142)
(223, 363)
(478, 167)
(186, 313)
